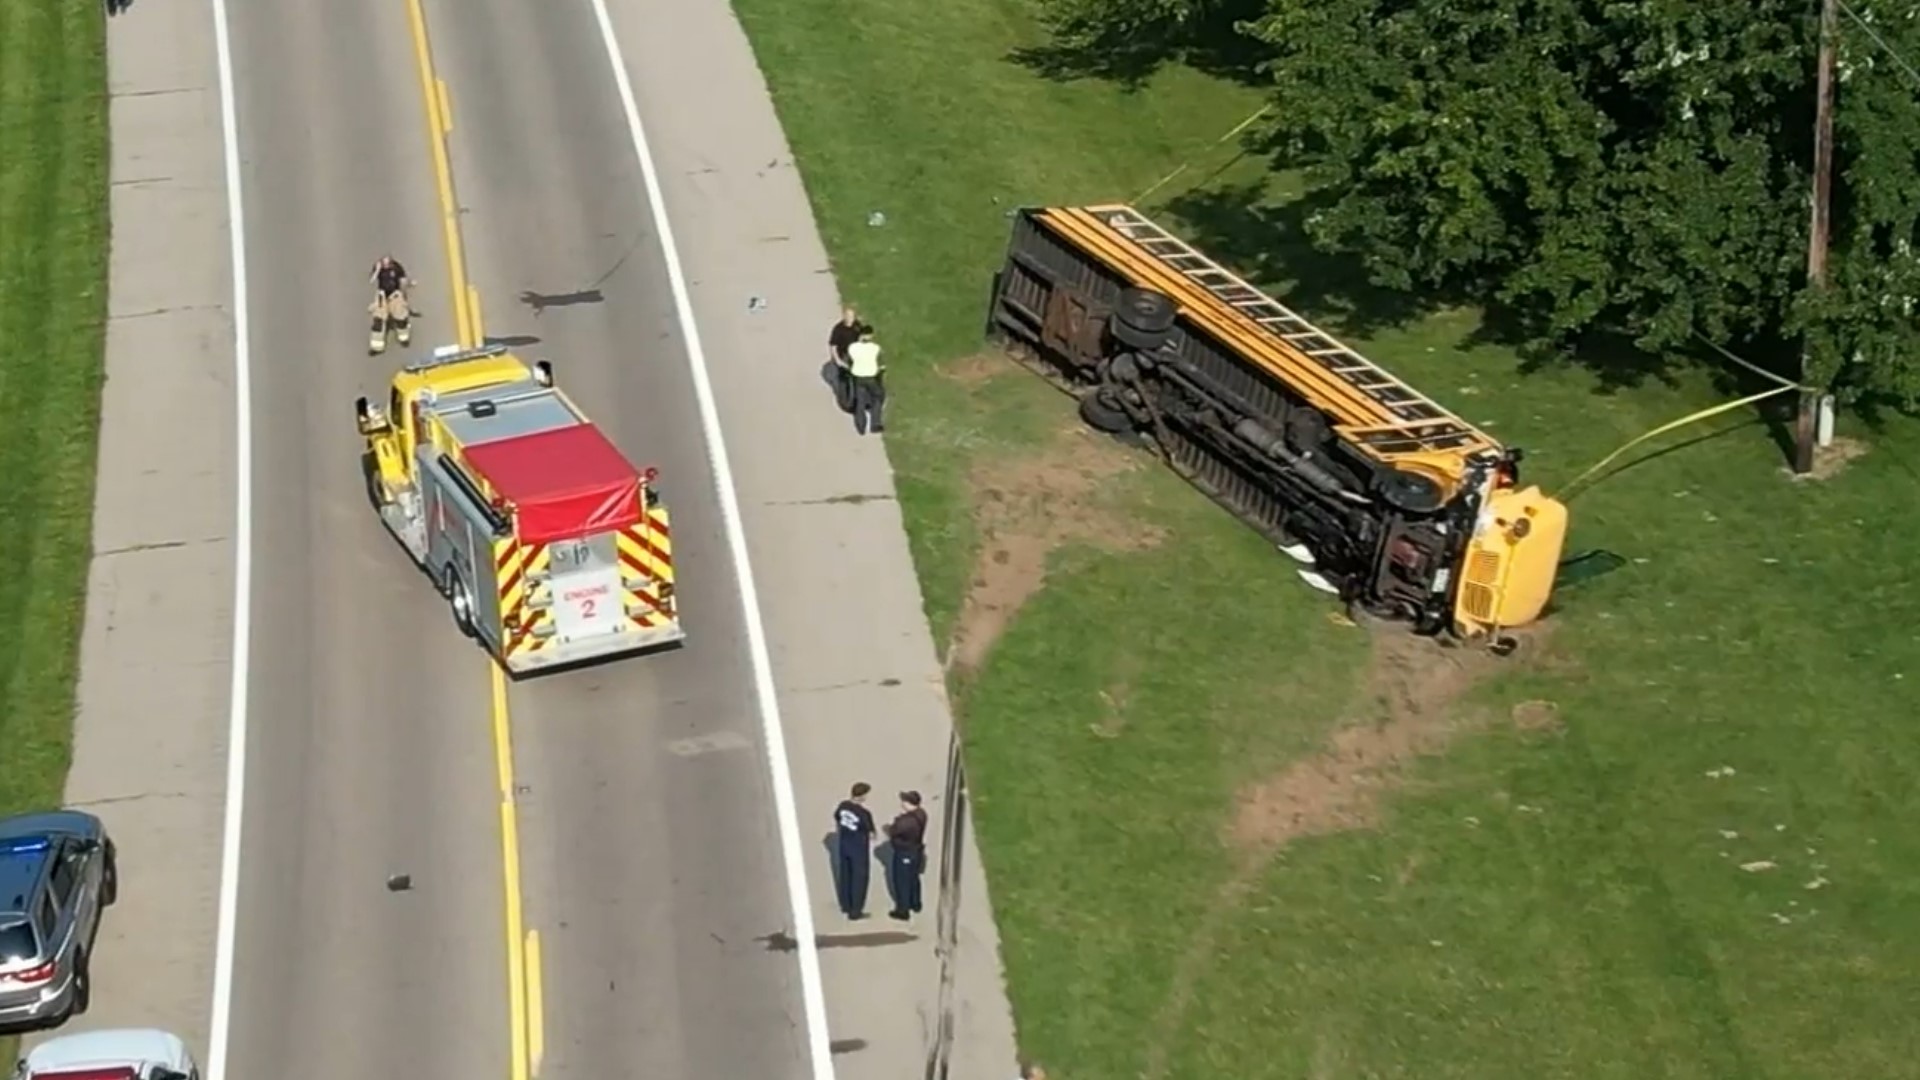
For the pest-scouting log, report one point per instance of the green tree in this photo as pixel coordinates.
(1129, 40)
(1863, 328)
(1591, 164)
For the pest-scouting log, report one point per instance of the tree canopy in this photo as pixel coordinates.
(1624, 165)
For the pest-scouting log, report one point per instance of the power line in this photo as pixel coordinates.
(1912, 73)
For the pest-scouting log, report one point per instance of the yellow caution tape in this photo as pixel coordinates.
(1566, 492)
(1237, 129)
(1785, 385)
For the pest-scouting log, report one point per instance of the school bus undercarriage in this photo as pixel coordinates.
(1394, 503)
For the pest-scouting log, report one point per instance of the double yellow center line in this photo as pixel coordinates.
(526, 1020)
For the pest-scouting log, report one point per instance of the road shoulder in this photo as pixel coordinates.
(862, 693)
(154, 656)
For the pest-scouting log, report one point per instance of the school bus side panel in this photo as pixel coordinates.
(1056, 302)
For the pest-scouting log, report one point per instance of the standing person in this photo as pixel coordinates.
(852, 847)
(869, 392)
(842, 334)
(389, 280)
(907, 858)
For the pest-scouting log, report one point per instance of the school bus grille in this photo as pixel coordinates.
(1478, 590)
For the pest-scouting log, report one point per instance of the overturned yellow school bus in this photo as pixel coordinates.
(1393, 503)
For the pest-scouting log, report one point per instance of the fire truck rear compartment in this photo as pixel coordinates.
(550, 546)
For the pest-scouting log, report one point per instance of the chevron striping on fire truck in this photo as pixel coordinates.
(548, 545)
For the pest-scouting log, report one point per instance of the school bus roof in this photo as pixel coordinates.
(1369, 405)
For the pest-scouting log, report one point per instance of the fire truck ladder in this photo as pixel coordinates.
(1421, 424)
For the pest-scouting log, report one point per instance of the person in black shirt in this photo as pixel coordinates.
(907, 856)
(852, 847)
(843, 333)
(388, 275)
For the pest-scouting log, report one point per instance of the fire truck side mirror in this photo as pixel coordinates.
(369, 422)
(543, 372)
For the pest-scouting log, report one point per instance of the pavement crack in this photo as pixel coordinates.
(157, 545)
(139, 180)
(143, 796)
(165, 311)
(855, 499)
(162, 92)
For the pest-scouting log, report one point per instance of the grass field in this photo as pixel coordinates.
(53, 247)
(1521, 869)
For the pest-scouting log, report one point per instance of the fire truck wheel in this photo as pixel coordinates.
(1102, 414)
(459, 601)
(372, 472)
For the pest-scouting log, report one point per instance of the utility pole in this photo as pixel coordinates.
(1817, 236)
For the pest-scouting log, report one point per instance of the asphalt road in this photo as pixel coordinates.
(649, 863)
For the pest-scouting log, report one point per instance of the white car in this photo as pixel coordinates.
(118, 1054)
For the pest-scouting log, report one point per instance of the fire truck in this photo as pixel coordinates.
(548, 545)
(1393, 503)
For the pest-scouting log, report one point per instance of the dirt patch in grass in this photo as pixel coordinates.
(975, 370)
(1408, 711)
(1536, 716)
(1412, 685)
(1025, 509)
(1830, 460)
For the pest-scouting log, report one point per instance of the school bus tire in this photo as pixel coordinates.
(1135, 338)
(1146, 310)
(1143, 319)
(1102, 414)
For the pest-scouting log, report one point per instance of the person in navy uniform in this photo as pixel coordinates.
(852, 847)
(907, 856)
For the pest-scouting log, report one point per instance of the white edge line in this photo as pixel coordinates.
(222, 1009)
(812, 996)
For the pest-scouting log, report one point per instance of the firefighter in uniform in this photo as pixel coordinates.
(390, 309)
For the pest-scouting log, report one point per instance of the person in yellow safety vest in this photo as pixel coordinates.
(869, 392)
